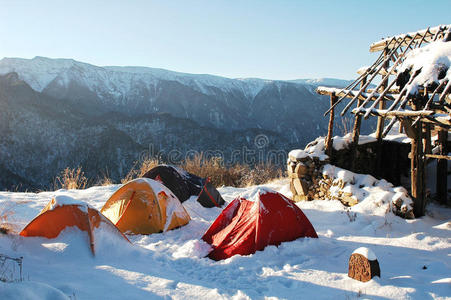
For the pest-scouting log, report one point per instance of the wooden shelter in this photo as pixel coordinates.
(419, 98)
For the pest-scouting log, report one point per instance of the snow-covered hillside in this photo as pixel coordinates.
(39, 72)
(413, 256)
(102, 109)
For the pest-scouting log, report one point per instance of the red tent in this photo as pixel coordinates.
(246, 226)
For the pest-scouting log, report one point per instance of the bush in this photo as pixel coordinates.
(71, 179)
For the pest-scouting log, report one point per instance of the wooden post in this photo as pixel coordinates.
(442, 169)
(330, 130)
(427, 127)
(356, 129)
(381, 120)
(380, 125)
(427, 139)
(417, 166)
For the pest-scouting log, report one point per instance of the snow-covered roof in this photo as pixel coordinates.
(412, 65)
(390, 42)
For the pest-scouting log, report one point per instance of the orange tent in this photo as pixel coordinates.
(144, 206)
(62, 212)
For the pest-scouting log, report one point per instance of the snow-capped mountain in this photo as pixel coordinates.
(60, 112)
(209, 100)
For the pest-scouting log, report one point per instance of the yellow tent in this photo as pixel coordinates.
(144, 206)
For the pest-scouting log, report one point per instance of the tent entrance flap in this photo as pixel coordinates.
(116, 209)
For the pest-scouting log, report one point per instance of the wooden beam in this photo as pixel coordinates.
(330, 130)
(365, 70)
(395, 113)
(392, 42)
(356, 130)
(322, 90)
(438, 156)
(383, 85)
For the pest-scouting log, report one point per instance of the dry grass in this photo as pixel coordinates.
(136, 172)
(7, 225)
(71, 179)
(104, 179)
(239, 175)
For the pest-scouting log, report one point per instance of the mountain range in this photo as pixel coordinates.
(57, 113)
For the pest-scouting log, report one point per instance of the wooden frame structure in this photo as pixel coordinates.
(422, 115)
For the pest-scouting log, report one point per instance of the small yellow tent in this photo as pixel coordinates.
(144, 206)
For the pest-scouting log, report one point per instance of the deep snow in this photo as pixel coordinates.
(172, 264)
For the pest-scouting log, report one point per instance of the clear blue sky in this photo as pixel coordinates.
(265, 39)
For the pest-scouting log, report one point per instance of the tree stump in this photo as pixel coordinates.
(363, 265)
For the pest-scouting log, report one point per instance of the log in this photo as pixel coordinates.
(363, 265)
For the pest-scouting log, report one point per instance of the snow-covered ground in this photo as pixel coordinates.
(414, 256)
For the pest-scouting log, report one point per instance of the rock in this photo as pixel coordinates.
(301, 170)
(363, 265)
(292, 189)
(300, 186)
(298, 155)
(297, 198)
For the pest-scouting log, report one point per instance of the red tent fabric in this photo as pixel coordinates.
(246, 226)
